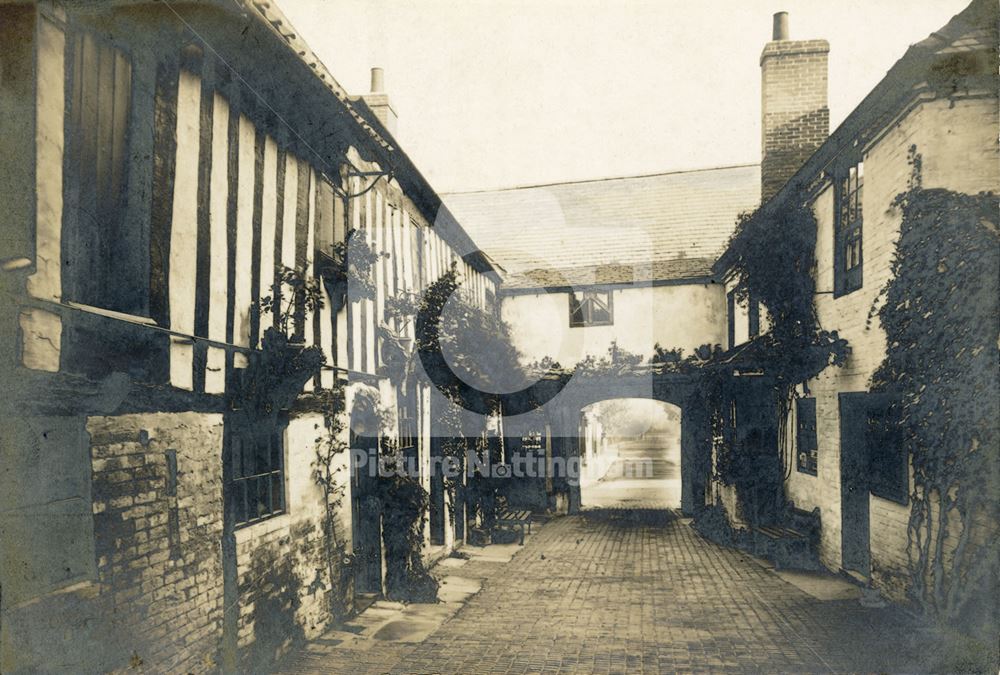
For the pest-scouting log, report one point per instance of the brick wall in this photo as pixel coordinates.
(282, 572)
(959, 150)
(158, 556)
(795, 119)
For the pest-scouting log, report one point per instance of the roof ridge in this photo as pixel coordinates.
(603, 179)
(626, 263)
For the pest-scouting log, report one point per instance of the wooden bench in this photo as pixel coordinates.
(792, 542)
(514, 518)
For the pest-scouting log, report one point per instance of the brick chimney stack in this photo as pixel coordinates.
(795, 119)
(379, 102)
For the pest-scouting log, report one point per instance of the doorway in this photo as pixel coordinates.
(854, 484)
(366, 512)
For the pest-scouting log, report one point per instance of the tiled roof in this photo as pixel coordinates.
(272, 16)
(611, 274)
(268, 13)
(662, 226)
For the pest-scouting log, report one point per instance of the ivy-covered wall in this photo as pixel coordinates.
(956, 142)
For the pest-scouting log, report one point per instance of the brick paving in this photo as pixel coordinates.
(634, 591)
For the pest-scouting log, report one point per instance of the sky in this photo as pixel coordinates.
(522, 92)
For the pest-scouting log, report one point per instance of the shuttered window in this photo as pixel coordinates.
(731, 319)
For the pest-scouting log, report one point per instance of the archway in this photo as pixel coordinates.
(559, 425)
(630, 451)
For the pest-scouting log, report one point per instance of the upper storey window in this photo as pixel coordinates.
(848, 256)
(590, 308)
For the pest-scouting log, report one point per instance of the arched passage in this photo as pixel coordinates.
(630, 451)
(555, 427)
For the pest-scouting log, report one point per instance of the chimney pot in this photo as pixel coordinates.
(378, 79)
(780, 31)
(379, 102)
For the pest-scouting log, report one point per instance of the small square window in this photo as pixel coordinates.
(590, 308)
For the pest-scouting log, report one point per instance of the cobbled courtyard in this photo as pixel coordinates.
(615, 590)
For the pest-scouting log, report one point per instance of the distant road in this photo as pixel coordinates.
(646, 475)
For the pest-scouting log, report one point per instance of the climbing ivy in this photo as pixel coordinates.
(404, 516)
(277, 371)
(294, 296)
(327, 467)
(940, 374)
(771, 257)
(475, 343)
(617, 361)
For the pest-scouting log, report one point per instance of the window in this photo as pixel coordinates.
(753, 318)
(532, 441)
(888, 462)
(731, 318)
(407, 431)
(102, 250)
(805, 436)
(848, 256)
(257, 488)
(590, 308)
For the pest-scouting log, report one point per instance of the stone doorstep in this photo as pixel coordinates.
(386, 621)
(452, 563)
(500, 553)
(398, 622)
(433, 554)
(456, 589)
(821, 585)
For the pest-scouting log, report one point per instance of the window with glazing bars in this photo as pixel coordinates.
(590, 308)
(257, 487)
(848, 228)
(407, 432)
(805, 437)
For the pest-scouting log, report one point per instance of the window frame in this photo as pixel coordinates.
(239, 481)
(753, 318)
(806, 437)
(408, 431)
(583, 301)
(848, 228)
(731, 318)
(888, 460)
